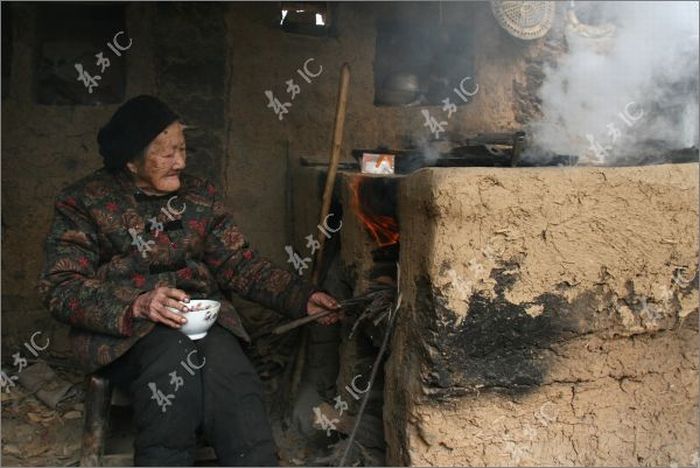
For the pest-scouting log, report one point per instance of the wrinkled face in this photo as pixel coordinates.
(158, 172)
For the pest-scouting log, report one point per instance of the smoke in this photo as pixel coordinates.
(628, 97)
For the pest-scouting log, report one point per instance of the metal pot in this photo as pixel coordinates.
(399, 89)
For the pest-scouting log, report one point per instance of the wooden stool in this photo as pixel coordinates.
(98, 399)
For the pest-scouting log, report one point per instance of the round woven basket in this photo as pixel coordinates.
(526, 20)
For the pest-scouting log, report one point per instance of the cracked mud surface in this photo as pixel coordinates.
(550, 318)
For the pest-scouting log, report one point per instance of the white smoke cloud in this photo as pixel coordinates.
(634, 94)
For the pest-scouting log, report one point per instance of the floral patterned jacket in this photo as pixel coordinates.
(110, 242)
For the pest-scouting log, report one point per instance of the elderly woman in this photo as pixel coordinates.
(139, 236)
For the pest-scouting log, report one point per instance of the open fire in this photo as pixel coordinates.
(375, 208)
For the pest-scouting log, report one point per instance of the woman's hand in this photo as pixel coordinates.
(152, 306)
(321, 302)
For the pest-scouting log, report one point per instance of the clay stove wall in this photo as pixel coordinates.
(549, 318)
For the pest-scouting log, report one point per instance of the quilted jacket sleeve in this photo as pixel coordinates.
(69, 286)
(239, 268)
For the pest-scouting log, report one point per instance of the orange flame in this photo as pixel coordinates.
(383, 228)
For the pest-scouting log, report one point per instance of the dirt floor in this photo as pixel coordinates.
(34, 434)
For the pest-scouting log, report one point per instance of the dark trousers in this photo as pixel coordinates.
(179, 386)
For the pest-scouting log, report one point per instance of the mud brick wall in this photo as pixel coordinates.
(549, 318)
(191, 75)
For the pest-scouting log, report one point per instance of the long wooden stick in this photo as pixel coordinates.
(339, 125)
(344, 306)
(299, 322)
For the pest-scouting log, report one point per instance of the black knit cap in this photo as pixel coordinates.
(132, 127)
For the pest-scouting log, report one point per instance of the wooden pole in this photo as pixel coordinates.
(340, 110)
(299, 322)
(339, 125)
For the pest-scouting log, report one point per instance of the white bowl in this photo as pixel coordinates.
(200, 318)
